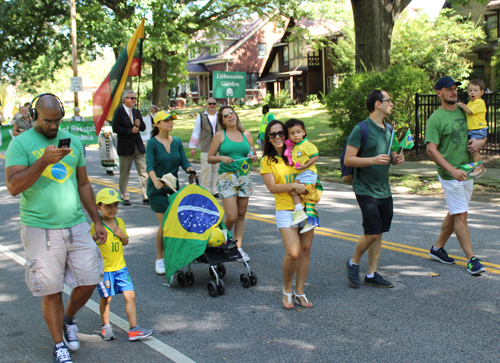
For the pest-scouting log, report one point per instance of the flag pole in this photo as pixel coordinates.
(139, 92)
(390, 145)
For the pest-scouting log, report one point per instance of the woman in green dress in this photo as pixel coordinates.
(164, 154)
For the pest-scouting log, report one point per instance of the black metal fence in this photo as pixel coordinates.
(425, 105)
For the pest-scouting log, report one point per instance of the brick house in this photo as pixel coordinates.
(257, 48)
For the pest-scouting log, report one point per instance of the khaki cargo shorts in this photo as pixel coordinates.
(55, 256)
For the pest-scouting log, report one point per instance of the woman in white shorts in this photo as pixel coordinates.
(279, 177)
(236, 153)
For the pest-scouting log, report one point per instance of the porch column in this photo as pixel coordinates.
(291, 87)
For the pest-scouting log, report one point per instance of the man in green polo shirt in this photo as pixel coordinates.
(449, 147)
(53, 184)
(371, 186)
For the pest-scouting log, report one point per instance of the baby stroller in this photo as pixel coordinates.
(192, 220)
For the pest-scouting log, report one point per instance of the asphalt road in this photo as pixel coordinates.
(452, 317)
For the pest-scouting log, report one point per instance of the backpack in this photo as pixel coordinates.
(348, 171)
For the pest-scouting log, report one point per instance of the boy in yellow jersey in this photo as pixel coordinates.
(116, 276)
(476, 119)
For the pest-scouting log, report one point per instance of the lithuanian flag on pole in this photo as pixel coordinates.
(108, 95)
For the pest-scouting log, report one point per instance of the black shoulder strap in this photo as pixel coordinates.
(364, 134)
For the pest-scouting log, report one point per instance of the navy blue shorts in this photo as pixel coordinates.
(115, 282)
(377, 214)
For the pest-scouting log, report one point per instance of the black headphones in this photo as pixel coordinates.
(33, 113)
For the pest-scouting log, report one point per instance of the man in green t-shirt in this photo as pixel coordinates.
(56, 237)
(371, 186)
(268, 117)
(449, 147)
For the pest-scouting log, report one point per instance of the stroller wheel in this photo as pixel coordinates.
(221, 288)
(221, 270)
(181, 279)
(244, 280)
(189, 278)
(253, 278)
(212, 289)
(110, 172)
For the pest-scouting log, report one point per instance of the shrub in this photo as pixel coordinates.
(347, 104)
(312, 101)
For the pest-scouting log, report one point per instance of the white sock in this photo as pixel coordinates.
(435, 249)
(371, 276)
(298, 207)
(352, 263)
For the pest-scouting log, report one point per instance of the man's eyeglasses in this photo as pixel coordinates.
(212, 103)
(272, 135)
(132, 98)
(387, 100)
(47, 122)
(228, 113)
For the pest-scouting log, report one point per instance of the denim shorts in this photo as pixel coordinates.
(284, 219)
(307, 177)
(478, 134)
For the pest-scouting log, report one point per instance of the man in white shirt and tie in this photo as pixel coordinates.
(127, 123)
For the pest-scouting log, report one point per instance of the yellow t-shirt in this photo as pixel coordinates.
(283, 174)
(302, 152)
(477, 120)
(112, 249)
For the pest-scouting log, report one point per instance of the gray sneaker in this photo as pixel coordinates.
(107, 332)
(69, 334)
(353, 275)
(139, 333)
(378, 280)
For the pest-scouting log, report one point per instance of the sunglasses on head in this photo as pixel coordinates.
(272, 135)
(228, 113)
(212, 103)
(132, 98)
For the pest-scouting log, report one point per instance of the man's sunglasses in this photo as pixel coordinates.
(272, 135)
(132, 98)
(228, 113)
(212, 103)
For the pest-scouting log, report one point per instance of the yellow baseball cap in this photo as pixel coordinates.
(107, 196)
(162, 115)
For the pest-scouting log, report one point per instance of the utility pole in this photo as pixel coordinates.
(73, 43)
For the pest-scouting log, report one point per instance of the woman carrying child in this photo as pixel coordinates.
(278, 176)
(236, 153)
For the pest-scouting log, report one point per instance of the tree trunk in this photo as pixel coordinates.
(373, 24)
(160, 84)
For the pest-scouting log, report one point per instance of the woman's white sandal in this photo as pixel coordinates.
(289, 300)
(303, 296)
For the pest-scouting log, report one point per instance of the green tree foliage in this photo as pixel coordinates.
(347, 104)
(439, 48)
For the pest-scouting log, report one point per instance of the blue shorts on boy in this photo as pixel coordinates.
(307, 177)
(478, 134)
(115, 282)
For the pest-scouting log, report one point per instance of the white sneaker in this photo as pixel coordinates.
(160, 267)
(307, 228)
(244, 255)
(298, 216)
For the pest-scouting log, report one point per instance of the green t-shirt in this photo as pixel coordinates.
(372, 180)
(53, 201)
(448, 130)
(268, 117)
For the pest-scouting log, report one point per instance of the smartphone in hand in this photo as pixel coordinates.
(64, 143)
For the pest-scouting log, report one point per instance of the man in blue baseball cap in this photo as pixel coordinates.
(448, 146)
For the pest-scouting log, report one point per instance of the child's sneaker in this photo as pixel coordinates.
(107, 332)
(298, 216)
(479, 173)
(139, 333)
(61, 354)
(69, 333)
(307, 228)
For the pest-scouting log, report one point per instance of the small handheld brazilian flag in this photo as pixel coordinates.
(408, 142)
(394, 144)
(469, 168)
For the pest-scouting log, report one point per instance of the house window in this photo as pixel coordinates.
(252, 79)
(193, 53)
(285, 55)
(329, 84)
(193, 84)
(296, 50)
(491, 26)
(262, 50)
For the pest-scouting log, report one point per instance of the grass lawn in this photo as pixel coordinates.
(316, 121)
